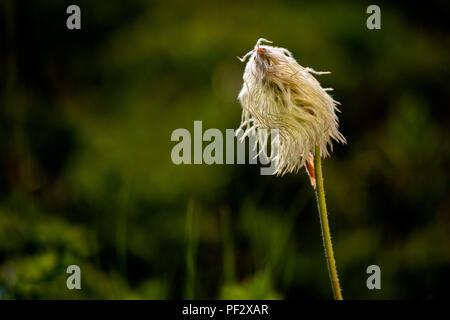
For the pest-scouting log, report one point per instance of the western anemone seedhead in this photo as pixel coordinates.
(278, 93)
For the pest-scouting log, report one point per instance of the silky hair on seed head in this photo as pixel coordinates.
(278, 93)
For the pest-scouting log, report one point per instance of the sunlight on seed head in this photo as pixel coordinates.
(278, 93)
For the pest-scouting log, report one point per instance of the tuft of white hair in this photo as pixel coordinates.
(278, 93)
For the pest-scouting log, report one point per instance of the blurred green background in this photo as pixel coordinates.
(87, 179)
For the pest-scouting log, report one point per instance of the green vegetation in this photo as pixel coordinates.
(87, 179)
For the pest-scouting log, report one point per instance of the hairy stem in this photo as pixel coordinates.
(191, 252)
(326, 237)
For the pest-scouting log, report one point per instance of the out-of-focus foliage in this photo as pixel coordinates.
(86, 175)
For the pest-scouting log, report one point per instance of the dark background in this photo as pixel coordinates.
(86, 176)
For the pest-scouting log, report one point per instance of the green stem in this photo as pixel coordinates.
(191, 252)
(326, 237)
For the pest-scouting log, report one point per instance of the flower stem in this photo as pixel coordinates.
(191, 252)
(326, 237)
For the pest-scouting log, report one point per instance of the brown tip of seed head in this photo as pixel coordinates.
(260, 51)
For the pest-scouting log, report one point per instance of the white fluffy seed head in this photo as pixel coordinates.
(278, 93)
